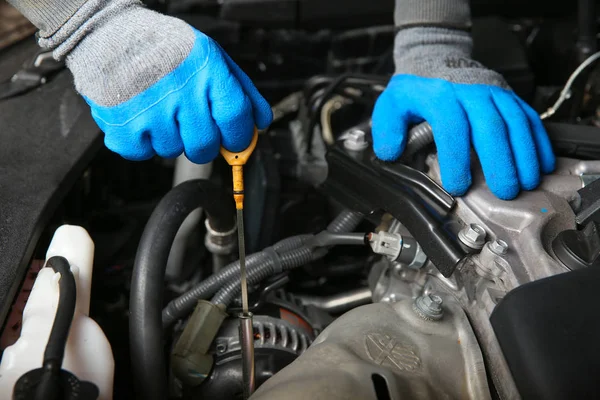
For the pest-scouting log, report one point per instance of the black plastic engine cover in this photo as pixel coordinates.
(549, 332)
(47, 138)
(362, 183)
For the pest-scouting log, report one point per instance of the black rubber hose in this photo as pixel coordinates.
(184, 304)
(586, 38)
(146, 302)
(55, 349)
(50, 385)
(328, 239)
(419, 137)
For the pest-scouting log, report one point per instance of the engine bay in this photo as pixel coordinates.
(367, 279)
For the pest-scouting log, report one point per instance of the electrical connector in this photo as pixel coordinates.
(386, 244)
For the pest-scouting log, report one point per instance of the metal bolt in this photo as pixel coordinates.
(429, 307)
(355, 140)
(498, 247)
(221, 347)
(473, 236)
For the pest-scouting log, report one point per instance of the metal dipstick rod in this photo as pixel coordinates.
(237, 161)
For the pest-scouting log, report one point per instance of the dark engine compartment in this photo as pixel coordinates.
(301, 54)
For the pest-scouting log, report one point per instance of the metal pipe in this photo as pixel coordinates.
(185, 170)
(247, 346)
(340, 302)
(219, 262)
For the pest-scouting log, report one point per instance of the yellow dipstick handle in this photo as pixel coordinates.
(237, 161)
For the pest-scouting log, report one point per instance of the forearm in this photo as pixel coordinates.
(452, 14)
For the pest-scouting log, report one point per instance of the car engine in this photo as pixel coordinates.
(367, 279)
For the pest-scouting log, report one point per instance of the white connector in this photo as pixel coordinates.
(387, 244)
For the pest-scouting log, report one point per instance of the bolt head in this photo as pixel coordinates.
(221, 347)
(473, 236)
(433, 302)
(355, 140)
(429, 307)
(499, 247)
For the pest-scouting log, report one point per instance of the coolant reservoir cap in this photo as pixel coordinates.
(69, 386)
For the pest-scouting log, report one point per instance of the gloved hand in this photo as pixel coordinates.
(156, 85)
(465, 104)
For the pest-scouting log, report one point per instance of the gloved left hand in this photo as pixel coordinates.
(467, 105)
(156, 85)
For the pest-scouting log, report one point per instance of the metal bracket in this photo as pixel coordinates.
(33, 75)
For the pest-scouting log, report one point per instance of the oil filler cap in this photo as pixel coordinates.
(579, 249)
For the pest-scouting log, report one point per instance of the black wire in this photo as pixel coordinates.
(315, 110)
(55, 349)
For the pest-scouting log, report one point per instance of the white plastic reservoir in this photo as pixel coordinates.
(88, 354)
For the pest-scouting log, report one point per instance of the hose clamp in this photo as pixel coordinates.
(222, 243)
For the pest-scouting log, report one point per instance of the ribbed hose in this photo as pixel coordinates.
(290, 260)
(419, 137)
(178, 308)
(346, 221)
(184, 304)
(336, 233)
(291, 243)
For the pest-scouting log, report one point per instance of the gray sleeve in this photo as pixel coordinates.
(47, 15)
(452, 14)
(64, 24)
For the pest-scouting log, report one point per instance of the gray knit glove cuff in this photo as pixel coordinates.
(443, 54)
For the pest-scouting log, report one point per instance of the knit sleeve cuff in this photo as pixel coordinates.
(451, 14)
(47, 15)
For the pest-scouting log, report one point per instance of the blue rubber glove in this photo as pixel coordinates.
(157, 86)
(507, 135)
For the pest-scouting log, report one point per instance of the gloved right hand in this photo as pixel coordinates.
(467, 105)
(155, 85)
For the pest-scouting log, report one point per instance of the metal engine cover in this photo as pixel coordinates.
(381, 351)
